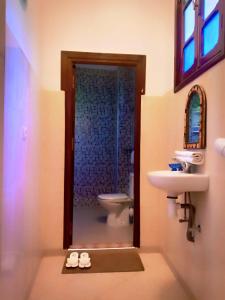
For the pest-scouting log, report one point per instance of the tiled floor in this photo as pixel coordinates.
(91, 231)
(157, 282)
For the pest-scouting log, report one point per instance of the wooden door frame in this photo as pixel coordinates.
(68, 60)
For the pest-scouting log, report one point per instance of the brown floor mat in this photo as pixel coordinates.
(102, 261)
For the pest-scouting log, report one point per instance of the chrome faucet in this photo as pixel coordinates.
(186, 167)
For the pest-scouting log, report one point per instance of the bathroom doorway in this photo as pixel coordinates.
(102, 145)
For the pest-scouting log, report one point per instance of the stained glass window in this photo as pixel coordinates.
(210, 33)
(189, 21)
(209, 5)
(200, 34)
(189, 55)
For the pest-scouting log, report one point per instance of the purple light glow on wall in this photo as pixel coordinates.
(15, 237)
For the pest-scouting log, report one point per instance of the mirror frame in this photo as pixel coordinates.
(202, 131)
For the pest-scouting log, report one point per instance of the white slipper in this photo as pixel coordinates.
(84, 260)
(74, 254)
(84, 255)
(72, 261)
(68, 265)
(84, 264)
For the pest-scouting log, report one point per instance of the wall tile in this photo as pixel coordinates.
(103, 133)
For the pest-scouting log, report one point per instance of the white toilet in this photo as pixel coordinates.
(117, 205)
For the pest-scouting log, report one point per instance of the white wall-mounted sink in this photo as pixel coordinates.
(178, 182)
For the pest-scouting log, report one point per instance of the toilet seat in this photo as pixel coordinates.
(113, 196)
(117, 206)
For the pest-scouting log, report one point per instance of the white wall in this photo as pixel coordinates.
(52, 144)
(20, 214)
(22, 19)
(200, 264)
(143, 27)
(135, 27)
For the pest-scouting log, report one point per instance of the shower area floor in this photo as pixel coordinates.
(91, 231)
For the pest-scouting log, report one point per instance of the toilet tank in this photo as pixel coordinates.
(131, 185)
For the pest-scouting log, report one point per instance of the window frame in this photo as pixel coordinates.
(184, 44)
(201, 63)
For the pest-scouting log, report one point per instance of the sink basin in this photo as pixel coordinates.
(178, 182)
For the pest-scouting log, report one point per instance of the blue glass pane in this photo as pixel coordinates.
(209, 5)
(189, 21)
(189, 55)
(210, 33)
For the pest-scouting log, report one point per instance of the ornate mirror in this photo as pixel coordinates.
(195, 119)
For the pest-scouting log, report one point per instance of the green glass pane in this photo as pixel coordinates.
(194, 119)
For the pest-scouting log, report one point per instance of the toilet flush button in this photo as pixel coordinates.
(24, 133)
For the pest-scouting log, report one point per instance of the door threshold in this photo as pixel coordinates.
(113, 248)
